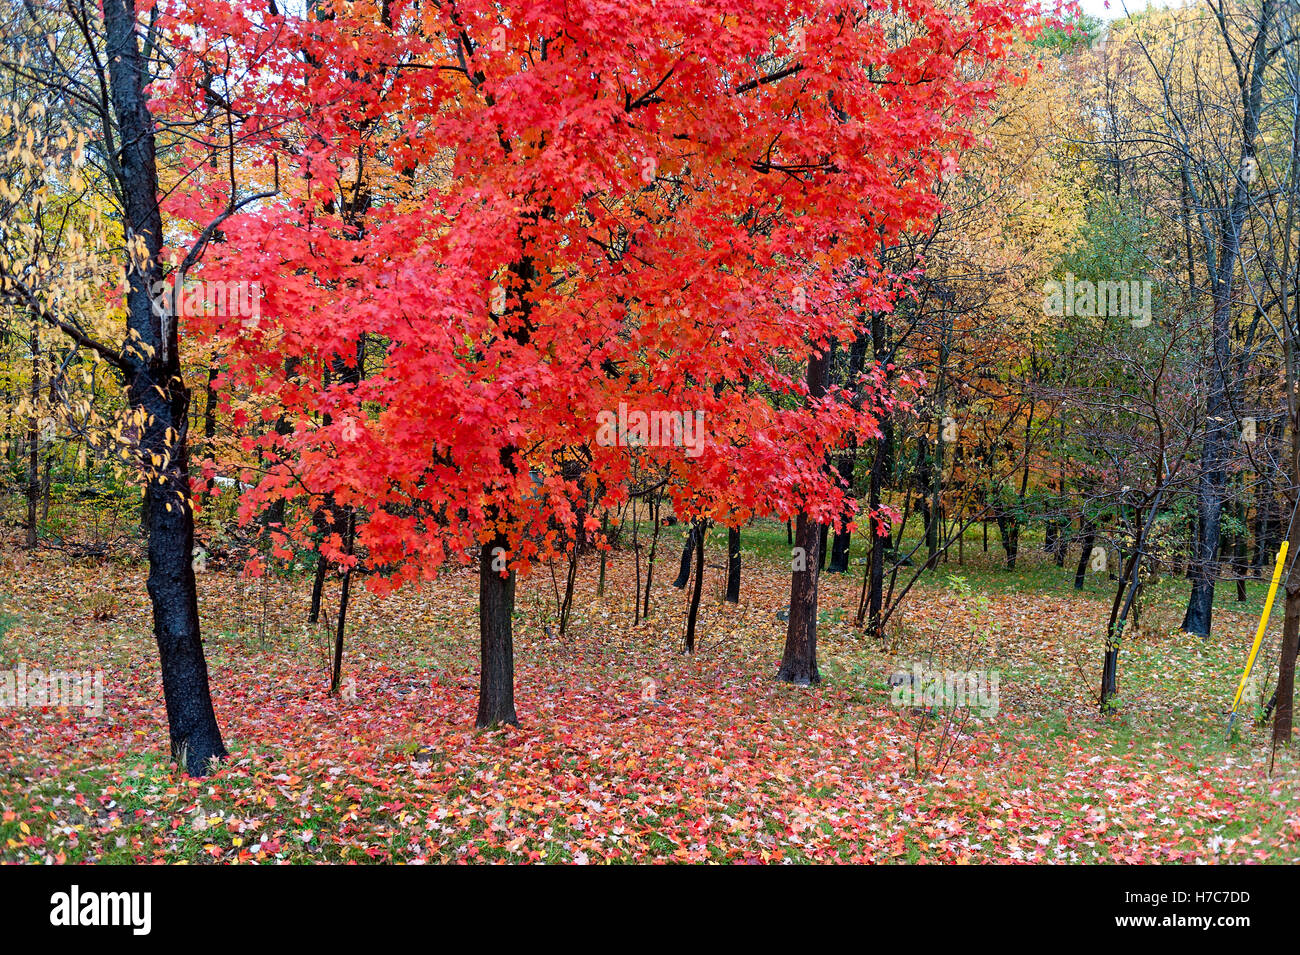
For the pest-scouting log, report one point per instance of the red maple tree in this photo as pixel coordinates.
(502, 223)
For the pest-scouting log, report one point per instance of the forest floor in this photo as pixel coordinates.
(629, 750)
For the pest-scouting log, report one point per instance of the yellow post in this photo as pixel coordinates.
(1263, 624)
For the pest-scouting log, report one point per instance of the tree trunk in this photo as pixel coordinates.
(684, 571)
(1009, 531)
(336, 679)
(1219, 415)
(570, 579)
(1284, 698)
(496, 684)
(1130, 580)
(650, 557)
(799, 661)
(317, 588)
(879, 542)
(733, 565)
(34, 445)
(1089, 532)
(154, 385)
(694, 612)
(209, 426)
(1240, 564)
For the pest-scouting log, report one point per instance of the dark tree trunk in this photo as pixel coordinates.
(210, 427)
(650, 557)
(496, 685)
(1009, 531)
(841, 544)
(328, 521)
(799, 661)
(931, 507)
(1089, 533)
(1126, 592)
(1239, 554)
(733, 565)
(317, 588)
(496, 583)
(694, 612)
(1263, 529)
(1284, 698)
(154, 385)
(879, 542)
(33, 471)
(636, 559)
(570, 579)
(34, 447)
(604, 555)
(842, 540)
(684, 571)
(337, 679)
(1220, 419)
(1062, 542)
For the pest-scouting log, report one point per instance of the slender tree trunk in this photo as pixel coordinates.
(1130, 581)
(496, 685)
(209, 426)
(570, 580)
(879, 542)
(34, 445)
(317, 588)
(1240, 566)
(933, 500)
(733, 565)
(45, 487)
(1009, 531)
(337, 679)
(650, 558)
(842, 541)
(684, 570)
(636, 559)
(1089, 532)
(698, 590)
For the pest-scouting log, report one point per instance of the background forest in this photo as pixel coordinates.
(450, 430)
